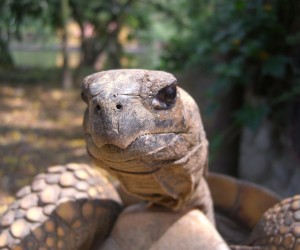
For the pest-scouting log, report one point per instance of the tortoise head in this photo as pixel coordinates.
(138, 123)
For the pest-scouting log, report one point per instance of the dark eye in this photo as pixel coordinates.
(166, 97)
(83, 97)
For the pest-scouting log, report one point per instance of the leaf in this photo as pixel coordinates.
(275, 66)
(293, 39)
(251, 48)
(288, 95)
(216, 142)
(252, 116)
(220, 86)
(240, 5)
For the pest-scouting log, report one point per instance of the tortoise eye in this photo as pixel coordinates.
(166, 97)
(83, 97)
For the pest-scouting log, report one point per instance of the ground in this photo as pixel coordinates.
(40, 125)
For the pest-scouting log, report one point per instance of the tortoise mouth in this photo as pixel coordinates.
(145, 146)
(146, 155)
(134, 172)
(107, 157)
(134, 142)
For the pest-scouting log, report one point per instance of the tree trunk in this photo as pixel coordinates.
(6, 60)
(227, 156)
(89, 51)
(67, 81)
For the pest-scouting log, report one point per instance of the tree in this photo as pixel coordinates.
(12, 14)
(67, 81)
(107, 18)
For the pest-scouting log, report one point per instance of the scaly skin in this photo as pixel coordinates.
(157, 151)
(279, 228)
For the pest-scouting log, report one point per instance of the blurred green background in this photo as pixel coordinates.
(239, 59)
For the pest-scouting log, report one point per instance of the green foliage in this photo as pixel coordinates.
(275, 66)
(248, 43)
(108, 19)
(252, 115)
(13, 13)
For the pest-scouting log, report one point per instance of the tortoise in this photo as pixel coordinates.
(147, 133)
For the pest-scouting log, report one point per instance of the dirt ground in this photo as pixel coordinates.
(40, 125)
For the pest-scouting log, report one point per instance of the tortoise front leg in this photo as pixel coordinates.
(62, 209)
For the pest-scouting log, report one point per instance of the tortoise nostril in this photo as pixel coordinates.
(119, 106)
(98, 108)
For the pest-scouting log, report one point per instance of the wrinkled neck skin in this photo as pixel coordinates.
(157, 155)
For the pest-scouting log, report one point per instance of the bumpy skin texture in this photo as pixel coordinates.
(279, 227)
(154, 144)
(64, 208)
